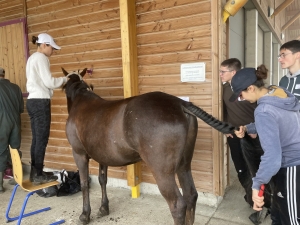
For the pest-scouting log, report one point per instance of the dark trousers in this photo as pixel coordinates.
(10, 134)
(237, 158)
(39, 111)
(286, 196)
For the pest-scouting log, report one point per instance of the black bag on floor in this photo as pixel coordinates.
(48, 192)
(70, 183)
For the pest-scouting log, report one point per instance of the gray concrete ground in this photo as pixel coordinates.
(146, 210)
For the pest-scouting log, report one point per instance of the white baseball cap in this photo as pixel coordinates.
(47, 39)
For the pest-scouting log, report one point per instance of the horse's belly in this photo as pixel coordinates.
(114, 158)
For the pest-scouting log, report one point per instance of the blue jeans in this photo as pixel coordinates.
(39, 111)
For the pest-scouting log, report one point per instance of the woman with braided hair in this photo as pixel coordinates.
(277, 122)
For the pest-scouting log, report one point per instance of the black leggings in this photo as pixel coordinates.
(286, 196)
(238, 158)
(39, 111)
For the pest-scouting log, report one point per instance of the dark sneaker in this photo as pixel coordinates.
(33, 174)
(43, 179)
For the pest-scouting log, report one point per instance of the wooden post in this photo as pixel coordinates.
(130, 76)
(218, 156)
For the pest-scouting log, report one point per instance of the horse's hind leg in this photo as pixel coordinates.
(184, 174)
(170, 191)
(82, 162)
(104, 208)
(190, 194)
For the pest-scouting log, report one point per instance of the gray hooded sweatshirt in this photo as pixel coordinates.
(277, 122)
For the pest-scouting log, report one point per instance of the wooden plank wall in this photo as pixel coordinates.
(89, 33)
(170, 33)
(11, 9)
(292, 32)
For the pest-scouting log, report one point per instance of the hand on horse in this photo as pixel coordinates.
(241, 132)
(258, 202)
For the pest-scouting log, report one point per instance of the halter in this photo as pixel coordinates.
(74, 73)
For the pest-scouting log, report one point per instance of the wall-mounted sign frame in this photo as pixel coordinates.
(192, 72)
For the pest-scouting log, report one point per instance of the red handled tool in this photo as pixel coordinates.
(261, 190)
(261, 214)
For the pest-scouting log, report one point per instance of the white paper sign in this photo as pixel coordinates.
(191, 72)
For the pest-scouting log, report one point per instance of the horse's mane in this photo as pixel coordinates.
(77, 87)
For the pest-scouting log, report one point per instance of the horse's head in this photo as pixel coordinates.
(73, 75)
(75, 84)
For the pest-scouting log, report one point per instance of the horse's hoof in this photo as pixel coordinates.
(102, 212)
(83, 219)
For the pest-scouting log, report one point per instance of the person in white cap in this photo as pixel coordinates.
(40, 85)
(11, 106)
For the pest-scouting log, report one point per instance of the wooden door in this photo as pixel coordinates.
(13, 56)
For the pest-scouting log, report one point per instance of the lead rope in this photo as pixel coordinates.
(74, 73)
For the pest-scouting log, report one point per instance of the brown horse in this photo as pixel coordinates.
(156, 127)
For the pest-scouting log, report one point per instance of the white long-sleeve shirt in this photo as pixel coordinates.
(40, 83)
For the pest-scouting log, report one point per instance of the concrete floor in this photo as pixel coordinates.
(146, 210)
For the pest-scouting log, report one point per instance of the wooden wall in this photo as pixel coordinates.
(169, 33)
(11, 9)
(89, 35)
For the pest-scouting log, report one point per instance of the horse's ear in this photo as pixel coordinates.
(65, 72)
(83, 72)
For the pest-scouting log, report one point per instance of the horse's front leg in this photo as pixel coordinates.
(104, 208)
(82, 162)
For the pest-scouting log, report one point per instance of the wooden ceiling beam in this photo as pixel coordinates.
(281, 7)
(293, 27)
(292, 20)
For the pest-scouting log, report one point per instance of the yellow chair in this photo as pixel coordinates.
(27, 185)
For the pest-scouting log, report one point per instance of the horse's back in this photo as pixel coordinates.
(154, 102)
(154, 115)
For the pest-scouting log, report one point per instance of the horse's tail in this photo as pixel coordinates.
(223, 127)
